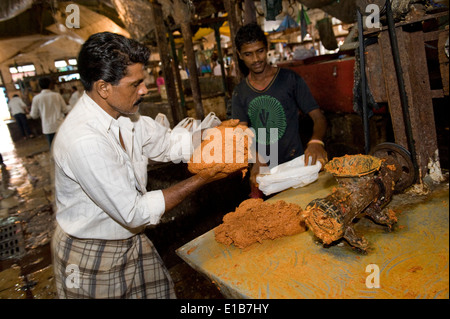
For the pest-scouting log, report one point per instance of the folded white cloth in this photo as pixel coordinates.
(290, 174)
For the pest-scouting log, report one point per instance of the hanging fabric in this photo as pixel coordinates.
(326, 33)
(304, 21)
(249, 12)
(272, 9)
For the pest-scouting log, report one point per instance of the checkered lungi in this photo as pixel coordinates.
(92, 268)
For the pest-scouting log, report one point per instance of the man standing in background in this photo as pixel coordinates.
(50, 107)
(18, 110)
(74, 97)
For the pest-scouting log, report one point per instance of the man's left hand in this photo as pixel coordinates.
(317, 152)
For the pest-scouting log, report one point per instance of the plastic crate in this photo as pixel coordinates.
(11, 239)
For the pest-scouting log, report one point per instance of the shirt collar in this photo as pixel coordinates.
(105, 120)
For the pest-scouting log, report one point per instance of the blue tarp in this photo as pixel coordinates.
(287, 23)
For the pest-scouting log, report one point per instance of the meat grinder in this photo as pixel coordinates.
(366, 184)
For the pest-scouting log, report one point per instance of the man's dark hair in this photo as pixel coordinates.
(106, 56)
(44, 83)
(249, 33)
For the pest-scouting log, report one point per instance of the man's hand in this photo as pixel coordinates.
(317, 152)
(315, 147)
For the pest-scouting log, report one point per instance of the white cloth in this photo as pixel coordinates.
(16, 106)
(101, 188)
(217, 71)
(50, 107)
(74, 98)
(293, 173)
(183, 74)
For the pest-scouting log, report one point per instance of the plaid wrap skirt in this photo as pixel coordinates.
(100, 269)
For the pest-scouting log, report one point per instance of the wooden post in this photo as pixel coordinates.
(216, 27)
(230, 6)
(164, 52)
(182, 16)
(417, 87)
(177, 75)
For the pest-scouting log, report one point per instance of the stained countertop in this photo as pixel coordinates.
(409, 262)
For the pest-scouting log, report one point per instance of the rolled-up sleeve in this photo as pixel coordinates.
(153, 202)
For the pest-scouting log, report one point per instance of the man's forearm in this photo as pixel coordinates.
(175, 194)
(320, 125)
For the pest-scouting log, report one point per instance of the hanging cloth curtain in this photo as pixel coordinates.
(249, 12)
(326, 33)
(304, 21)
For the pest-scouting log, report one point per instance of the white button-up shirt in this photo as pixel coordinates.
(50, 107)
(74, 98)
(100, 187)
(16, 106)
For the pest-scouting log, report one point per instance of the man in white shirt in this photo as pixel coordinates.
(101, 154)
(18, 110)
(50, 107)
(183, 74)
(217, 71)
(74, 97)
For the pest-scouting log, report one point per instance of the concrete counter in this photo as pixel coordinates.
(410, 262)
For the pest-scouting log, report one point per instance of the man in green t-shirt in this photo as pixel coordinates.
(269, 100)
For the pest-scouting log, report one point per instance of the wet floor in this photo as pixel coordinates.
(27, 203)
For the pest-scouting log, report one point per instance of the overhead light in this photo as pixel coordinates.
(60, 64)
(27, 68)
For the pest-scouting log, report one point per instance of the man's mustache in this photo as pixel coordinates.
(139, 101)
